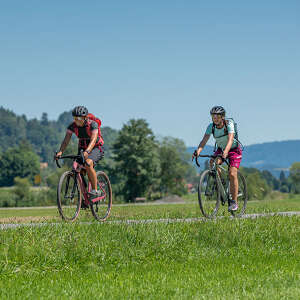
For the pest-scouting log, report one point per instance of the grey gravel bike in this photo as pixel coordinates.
(214, 188)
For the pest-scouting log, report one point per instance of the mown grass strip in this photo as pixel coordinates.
(188, 210)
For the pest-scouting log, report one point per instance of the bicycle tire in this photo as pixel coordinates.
(209, 204)
(68, 205)
(103, 205)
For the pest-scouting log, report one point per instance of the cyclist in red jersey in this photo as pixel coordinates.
(89, 141)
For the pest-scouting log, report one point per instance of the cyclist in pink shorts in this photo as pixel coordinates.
(228, 146)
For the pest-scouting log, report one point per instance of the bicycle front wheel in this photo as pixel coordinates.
(101, 209)
(68, 196)
(208, 195)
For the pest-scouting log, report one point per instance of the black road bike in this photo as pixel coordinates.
(214, 188)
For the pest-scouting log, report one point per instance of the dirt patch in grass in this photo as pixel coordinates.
(171, 199)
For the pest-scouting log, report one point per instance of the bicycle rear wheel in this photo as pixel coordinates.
(101, 209)
(242, 196)
(68, 196)
(208, 195)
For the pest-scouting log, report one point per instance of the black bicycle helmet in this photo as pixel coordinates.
(219, 110)
(80, 111)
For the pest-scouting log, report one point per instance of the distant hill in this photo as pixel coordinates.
(272, 156)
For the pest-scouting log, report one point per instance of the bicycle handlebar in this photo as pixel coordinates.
(209, 156)
(72, 157)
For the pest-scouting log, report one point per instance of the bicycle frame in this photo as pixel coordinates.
(224, 195)
(214, 169)
(76, 168)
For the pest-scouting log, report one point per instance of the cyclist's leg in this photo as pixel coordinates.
(219, 160)
(234, 183)
(235, 157)
(95, 155)
(91, 173)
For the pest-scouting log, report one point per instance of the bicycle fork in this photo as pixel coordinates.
(73, 188)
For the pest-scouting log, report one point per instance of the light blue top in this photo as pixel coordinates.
(219, 135)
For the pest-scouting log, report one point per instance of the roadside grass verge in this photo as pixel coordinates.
(151, 211)
(221, 259)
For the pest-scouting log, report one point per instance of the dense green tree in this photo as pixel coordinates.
(44, 120)
(64, 120)
(272, 181)
(284, 183)
(295, 177)
(137, 161)
(282, 177)
(109, 136)
(175, 168)
(12, 129)
(295, 172)
(18, 162)
(22, 191)
(257, 186)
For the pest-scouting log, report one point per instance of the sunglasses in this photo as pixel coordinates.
(78, 118)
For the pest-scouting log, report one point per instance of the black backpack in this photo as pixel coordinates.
(236, 135)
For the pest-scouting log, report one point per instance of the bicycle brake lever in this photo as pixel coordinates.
(56, 160)
(196, 158)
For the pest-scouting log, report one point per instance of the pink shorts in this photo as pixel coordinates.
(234, 156)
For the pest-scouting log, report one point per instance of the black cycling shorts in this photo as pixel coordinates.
(96, 154)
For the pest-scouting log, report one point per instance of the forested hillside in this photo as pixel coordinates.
(43, 134)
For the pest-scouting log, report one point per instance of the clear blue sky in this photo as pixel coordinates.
(165, 61)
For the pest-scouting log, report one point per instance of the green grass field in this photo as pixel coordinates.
(224, 259)
(221, 259)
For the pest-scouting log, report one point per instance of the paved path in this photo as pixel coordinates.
(120, 204)
(167, 221)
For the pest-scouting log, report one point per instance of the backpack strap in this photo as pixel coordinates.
(75, 127)
(88, 127)
(225, 129)
(225, 132)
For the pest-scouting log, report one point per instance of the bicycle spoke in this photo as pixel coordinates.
(208, 195)
(68, 197)
(101, 209)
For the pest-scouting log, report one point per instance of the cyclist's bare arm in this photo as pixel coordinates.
(229, 143)
(93, 141)
(202, 144)
(65, 142)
